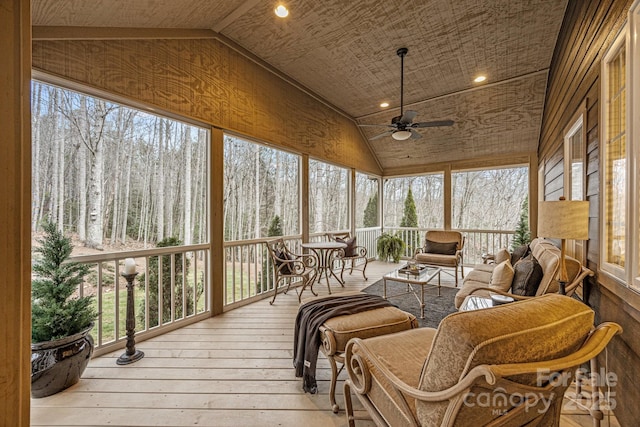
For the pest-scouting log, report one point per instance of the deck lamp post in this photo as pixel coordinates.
(131, 354)
(563, 219)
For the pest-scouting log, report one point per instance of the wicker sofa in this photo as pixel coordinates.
(546, 254)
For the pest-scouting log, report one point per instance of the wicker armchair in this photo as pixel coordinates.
(503, 366)
(291, 268)
(355, 256)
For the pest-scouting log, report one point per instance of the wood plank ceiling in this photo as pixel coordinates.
(345, 51)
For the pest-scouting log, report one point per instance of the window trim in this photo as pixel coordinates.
(621, 40)
(633, 109)
(576, 124)
(629, 276)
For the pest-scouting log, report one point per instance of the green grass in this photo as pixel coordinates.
(108, 311)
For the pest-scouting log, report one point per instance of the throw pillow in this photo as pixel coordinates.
(350, 250)
(527, 275)
(519, 253)
(285, 269)
(502, 276)
(501, 256)
(442, 248)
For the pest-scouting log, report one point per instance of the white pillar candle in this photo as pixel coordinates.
(129, 266)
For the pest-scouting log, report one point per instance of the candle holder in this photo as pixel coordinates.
(131, 354)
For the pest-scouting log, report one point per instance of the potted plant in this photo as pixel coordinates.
(390, 246)
(60, 322)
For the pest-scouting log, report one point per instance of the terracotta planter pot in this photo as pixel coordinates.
(58, 364)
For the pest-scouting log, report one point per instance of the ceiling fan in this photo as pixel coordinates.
(402, 126)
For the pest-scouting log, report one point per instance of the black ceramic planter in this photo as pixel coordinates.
(58, 364)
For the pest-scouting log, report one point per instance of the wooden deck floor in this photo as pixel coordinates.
(231, 370)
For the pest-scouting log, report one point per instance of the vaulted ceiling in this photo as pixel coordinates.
(345, 52)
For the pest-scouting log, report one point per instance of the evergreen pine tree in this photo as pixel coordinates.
(371, 212)
(54, 313)
(410, 219)
(522, 235)
(275, 228)
(178, 276)
(410, 216)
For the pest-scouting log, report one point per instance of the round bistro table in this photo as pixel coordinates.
(324, 252)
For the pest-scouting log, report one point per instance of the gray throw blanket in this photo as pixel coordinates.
(306, 340)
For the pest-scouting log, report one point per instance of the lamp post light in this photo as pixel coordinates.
(131, 354)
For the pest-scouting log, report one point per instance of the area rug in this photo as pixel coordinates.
(436, 307)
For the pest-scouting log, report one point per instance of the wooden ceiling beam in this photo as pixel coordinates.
(117, 33)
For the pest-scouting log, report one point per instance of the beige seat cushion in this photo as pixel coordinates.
(437, 259)
(403, 354)
(370, 323)
(542, 328)
(479, 277)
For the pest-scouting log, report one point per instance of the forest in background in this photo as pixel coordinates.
(115, 174)
(111, 173)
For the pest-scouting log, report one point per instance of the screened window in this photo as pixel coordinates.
(489, 199)
(115, 177)
(574, 174)
(328, 197)
(427, 192)
(615, 157)
(261, 196)
(366, 201)
(620, 252)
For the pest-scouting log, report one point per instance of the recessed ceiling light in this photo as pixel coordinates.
(281, 11)
(480, 79)
(384, 104)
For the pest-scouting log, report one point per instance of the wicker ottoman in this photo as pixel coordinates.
(337, 331)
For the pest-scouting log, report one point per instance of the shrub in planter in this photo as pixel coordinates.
(60, 323)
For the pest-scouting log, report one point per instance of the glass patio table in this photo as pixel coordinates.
(424, 277)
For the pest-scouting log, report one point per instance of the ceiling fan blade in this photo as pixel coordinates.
(376, 126)
(433, 124)
(415, 134)
(387, 133)
(408, 116)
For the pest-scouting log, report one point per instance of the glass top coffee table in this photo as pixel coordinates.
(424, 277)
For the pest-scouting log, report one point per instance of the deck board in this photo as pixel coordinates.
(233, 370)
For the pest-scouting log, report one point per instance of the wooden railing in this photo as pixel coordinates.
(177, 276)
(249, 270)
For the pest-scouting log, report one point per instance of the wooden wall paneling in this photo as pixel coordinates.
(622, 357)
(557, 91)
(575, 76)
(211, 82)
(477, 163)
(602, 28)
(15, 227)
(554, 176)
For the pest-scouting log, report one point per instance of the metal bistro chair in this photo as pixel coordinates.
(291, 267)
(351, 254)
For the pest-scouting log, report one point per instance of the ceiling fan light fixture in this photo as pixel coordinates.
(281, 11)
(401, 135)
